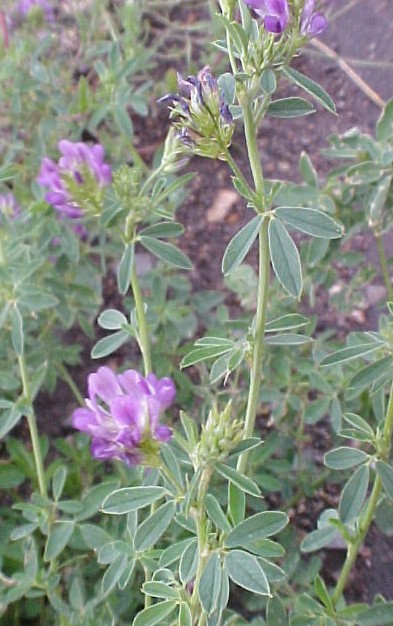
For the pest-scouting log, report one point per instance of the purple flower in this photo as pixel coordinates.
(312, 23)
(79, 164)
(122, 415)
(275, 13)
(9, 206)
(25, 6)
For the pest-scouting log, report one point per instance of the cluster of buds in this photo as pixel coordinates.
(277, 16)
(75, 183)
(201, 116)
(220, 435)
(122, 416)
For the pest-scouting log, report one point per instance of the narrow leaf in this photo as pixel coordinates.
(240, 245)
(154, 526)
(385, 472)
(344, 458)
(285, 258)
(310, 221)
(311, 87)
(244, 570)
(166, 252)
(124, 271)
(131, 498)
(155, 614)
(348, 354)
(354, 494)
(242, 482)
(256, 527)
(290, 107)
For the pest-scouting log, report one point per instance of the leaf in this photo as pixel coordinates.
(385, 472)
(189, 562)
(154, 614)
(154, 526)
(227, 86)
(110, 344)
(307, 170)
(166, 252)
(256, 527)
(113, 573)
(242, 482)
(348, 354)
(163, 230)
(131, 498)
(311, 87)
(210, 583)
(268, 82)
(286, 322)
(318, 539)
(240, 245)
(216, 514)
(201, 354)
(371, 373)
(287, 339)
(378, 615)
(290, 107)
(9, 419)
(285, 258)
(344, 458)
(158, 589)
(124, 271)
(310, 221)
(111, 319)
(385, 123)
(58, 537)
(244, 570)
(276, 615)
(185, 617)
(17, 331)
(354, 494)
(94, 536)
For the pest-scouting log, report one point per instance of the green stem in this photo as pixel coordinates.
(70, 382)
(252, 148)
(365, 523)
(202, 539)
(259, 332)
(143, 336)
(384, 265)
(32, 423)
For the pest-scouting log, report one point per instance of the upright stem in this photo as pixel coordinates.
(32, 422)
(259, 332)
(250, 131)
(365, 523)
(384, 265)
(144, 343)
(202, 539)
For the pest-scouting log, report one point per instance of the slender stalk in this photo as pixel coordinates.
(70, 382)
(384, 265)
(144, 342)
(365, 523)
(260, 321)
(32, 423)
(252, 147)
(202, 539)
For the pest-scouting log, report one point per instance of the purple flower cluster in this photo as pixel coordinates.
(79, 163)
(276, 16)
(122, 415)
(25, 6)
